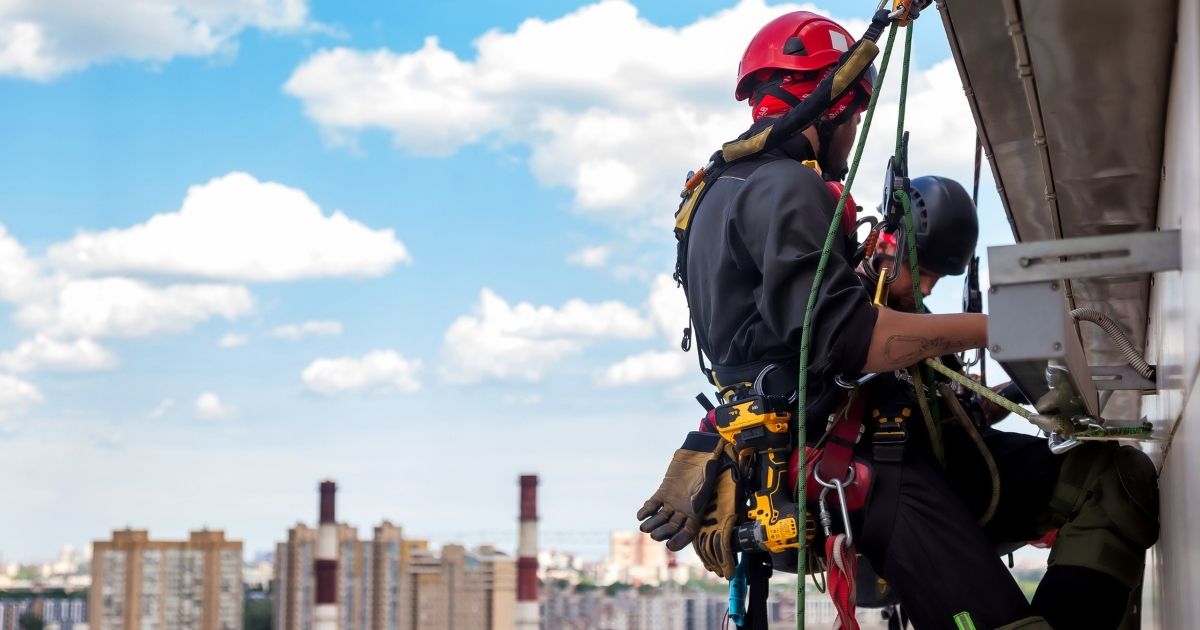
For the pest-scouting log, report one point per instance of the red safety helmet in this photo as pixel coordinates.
(799, 41)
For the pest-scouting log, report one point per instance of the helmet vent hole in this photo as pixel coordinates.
(794, 46)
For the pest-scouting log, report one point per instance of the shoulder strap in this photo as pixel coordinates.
(692, 195)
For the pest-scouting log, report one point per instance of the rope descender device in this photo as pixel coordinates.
(896, 180)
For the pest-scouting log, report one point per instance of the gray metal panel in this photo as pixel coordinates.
(1029, 326)
(1103, 69)
(987, 65)
(1100, 73)
(1028, 321)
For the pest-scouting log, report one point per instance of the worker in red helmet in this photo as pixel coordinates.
(756, 236)
(783, 64)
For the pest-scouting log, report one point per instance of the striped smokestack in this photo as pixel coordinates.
(325, 613)
(527, 551)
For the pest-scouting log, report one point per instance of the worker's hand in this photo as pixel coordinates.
(714, 542)
(672, 512)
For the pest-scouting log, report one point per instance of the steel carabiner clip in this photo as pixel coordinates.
(823, 509)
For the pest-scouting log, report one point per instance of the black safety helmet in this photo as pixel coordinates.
(946, 224)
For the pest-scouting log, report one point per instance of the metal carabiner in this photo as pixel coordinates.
(841, 491)
(900, 256)
(823, 513)
(1059, 445)
(823, 510)
(862, 380)
(756, 387)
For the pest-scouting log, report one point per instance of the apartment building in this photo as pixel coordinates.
(143, 584)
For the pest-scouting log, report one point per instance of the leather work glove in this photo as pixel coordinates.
(672, 512)
(714, 543)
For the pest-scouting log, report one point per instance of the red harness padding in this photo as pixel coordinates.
(849, 212)
(833, 461)
(834, 458)
(856, 493)
(843, 565)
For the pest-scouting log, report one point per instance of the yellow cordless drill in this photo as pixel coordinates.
(759, 428)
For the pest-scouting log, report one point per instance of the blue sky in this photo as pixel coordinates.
(192, 336)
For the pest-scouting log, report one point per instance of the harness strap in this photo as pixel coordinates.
(842, 437)
(758, 575)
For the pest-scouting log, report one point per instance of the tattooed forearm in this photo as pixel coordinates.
(906, 349)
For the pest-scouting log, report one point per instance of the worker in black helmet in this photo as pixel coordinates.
(1009, 483)
(947, 230)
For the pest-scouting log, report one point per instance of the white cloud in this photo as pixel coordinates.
(46, 353)
(20, 278)
(238, 228)
(16, 396)
(122, 307)
(620, 129)
(668, 307)
(295, 332)
(162, 409)
(233, 340)
(376, 370)
(647, 367)
(41, 40)
(522, 400)
(668, 310)
(208, 406)
(520, 342)
(592, 257)
(943, 144)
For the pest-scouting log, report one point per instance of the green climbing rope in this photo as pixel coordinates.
(929, 413)
(1141, 431)
(802, 389)
(979, 388)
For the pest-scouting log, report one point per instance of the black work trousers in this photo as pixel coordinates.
(920, 529)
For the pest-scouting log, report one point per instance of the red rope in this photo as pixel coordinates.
(843, 564)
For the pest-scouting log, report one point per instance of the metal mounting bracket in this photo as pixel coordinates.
(1120, 377)
(1088, 257)
(1029, 326)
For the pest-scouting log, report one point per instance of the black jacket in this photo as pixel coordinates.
(755, 242)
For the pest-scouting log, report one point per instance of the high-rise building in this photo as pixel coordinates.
(460, 590)
(389, 583)
(387, 575)
(292, 596)
(143, 584)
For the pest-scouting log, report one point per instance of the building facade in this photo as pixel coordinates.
(636, 558)
(142, 584)
(389, 583)
(57, 608)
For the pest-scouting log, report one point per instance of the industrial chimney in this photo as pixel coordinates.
(325, 615)
(527, 551)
